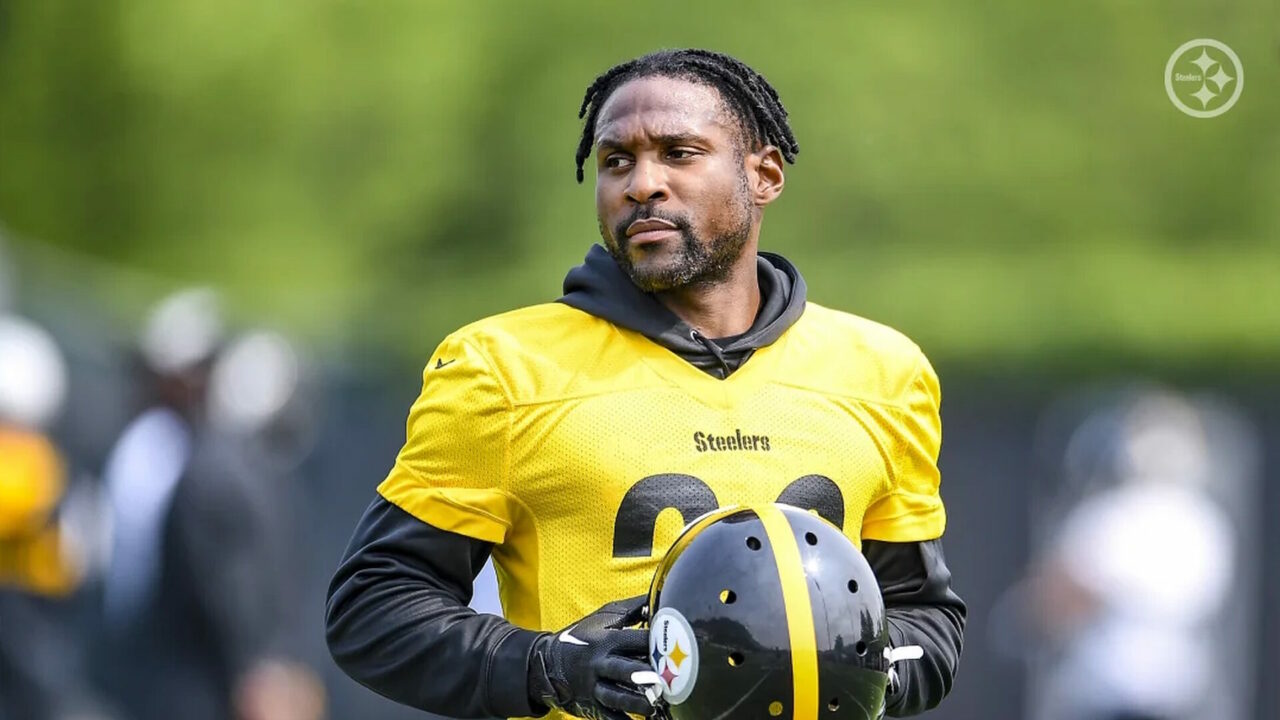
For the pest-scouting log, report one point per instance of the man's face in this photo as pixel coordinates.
(672, 191)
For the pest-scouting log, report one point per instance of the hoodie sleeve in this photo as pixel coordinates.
(397, 621)
(923, 610)
(900, 537)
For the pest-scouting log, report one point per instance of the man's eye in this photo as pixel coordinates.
(616, 161)
(680, 154)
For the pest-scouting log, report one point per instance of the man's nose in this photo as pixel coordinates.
(648, 183)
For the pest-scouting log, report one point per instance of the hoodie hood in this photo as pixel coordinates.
(600, 287)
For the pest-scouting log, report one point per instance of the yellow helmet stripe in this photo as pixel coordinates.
(795, 600)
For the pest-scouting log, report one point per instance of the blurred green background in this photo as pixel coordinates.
(1007, 183)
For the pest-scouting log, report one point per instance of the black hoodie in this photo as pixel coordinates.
(599, 287)
(397, 618)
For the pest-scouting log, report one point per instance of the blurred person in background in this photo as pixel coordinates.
(1132, 587)
(41, 559)
(262, 407)
(195, 597)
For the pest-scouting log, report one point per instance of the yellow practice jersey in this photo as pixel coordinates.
(580, 449)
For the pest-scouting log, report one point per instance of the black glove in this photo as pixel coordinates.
(586, 668)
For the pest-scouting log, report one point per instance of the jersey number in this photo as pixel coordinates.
(691, 497)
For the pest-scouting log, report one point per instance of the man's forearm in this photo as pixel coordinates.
(923, 683)
(923, 610)
(397, 621)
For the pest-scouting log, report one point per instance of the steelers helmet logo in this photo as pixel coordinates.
(674, 654)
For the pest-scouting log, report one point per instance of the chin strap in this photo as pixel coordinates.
(896, 655)
(647, 680)
(650, 683)
(906, 652)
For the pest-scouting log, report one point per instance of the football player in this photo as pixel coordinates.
(682, 370)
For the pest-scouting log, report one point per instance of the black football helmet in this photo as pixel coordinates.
(767, 612)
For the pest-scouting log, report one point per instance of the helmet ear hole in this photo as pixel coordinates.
(775, 708)
(736, 659)
(860, 647)
(853, 586)
(728, 597)
(811, 538)
(834, 704)
(753, 542)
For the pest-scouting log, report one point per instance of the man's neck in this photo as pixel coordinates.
(721, 309)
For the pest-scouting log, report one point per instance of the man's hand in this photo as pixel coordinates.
(586, 668)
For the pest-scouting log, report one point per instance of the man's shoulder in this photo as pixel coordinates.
(542, 328)
(536, 351)
(850, 333)
(851, 354)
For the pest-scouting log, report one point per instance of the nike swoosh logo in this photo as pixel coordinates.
(567, 637)
(441, 363)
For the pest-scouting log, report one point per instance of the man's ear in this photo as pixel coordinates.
(764, 175)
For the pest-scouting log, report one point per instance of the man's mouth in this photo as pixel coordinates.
(650, 230)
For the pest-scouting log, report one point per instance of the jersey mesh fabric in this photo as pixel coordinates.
(581, 449)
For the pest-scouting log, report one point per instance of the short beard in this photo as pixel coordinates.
(699, 262)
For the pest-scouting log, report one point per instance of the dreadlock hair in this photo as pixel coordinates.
(749, 96)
